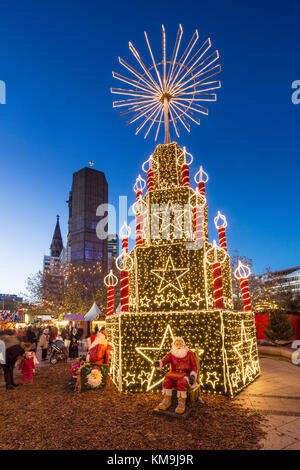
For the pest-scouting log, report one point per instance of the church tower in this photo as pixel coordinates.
(56, 244)
(53, 261)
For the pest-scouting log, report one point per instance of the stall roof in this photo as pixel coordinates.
(74, 317)
(92, 313)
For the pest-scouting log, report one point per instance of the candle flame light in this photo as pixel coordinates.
(242, 271)
(222, 218)
(110, 279)
(139, 185)
(125, 231)
(201, 176)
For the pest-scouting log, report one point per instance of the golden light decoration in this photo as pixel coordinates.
(215, 254)
(169, 91)
(124, 262)
(110, 279)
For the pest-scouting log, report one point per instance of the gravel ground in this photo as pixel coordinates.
(47, 415)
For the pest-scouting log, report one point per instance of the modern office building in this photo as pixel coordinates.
(112, 249)
(89, 190)
(288, 278)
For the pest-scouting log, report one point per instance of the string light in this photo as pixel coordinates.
(110, 281)
(221, 229)
(174, 289)
(201, 178)
(169, 91)
(242, 273)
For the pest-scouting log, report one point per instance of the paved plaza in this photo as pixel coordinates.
(276, 394)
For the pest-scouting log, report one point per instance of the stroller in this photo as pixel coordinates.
(57, 351)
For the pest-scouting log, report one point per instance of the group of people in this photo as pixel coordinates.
(44, 337)
(69, 335)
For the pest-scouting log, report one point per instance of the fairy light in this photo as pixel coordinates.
(139, 186)
(242, 273)
(178, 291)
(215, 256)
(139, 218)
(184, 160)
(170, 91)
(201, 178)
(221, 229)
(124, 233)
(147, 168)
(227, 365)
(198, 204)
(110, 281)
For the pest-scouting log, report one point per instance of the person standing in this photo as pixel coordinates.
(27, 367)
(44, 343)
(30, 335)
(73, 348)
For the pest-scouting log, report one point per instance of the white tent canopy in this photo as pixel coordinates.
(92, 313)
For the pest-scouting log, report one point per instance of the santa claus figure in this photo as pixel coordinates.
(98, 348)
(182, 375)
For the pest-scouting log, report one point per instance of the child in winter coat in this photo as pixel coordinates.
(27, 367)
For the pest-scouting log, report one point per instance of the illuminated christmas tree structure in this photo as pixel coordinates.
(175, 282)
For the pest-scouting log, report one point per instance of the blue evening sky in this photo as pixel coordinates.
(56, 60)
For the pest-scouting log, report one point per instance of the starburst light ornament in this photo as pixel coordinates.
(169, 91)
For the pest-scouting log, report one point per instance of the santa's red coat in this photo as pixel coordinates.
(185, 364)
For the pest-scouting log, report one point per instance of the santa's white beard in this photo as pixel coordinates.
(179, 352)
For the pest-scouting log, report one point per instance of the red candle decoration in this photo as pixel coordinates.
(184, 160)
(124, 263)
(185, 175)
(221, 224)
(197, 221)
(139, 218)
(242, 273)
(198, 201)
(218, 285)
(150, 180)
(216, 256)
(124, 234)
(149, 166)
(201, 178)
(139, 223)
(110, 281)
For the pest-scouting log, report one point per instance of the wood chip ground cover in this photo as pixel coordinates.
(47, 415)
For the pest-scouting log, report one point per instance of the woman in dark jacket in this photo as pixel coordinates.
(73, 348)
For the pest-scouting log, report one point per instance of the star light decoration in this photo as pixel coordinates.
(168, 276)
(169, 91)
